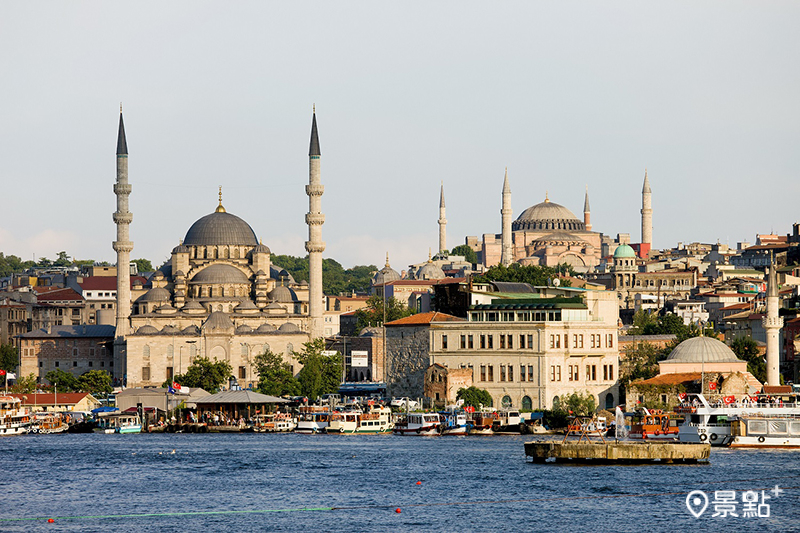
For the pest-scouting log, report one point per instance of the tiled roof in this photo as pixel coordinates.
(422, 319)
(58, 295)
(48, 398)
(105, 283)
(670, 379)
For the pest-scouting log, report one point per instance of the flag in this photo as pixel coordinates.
(682, 396)
(2, 372)
(177, 389)
(469, 409)
(729, 399)
(712, 385)
(11, 376)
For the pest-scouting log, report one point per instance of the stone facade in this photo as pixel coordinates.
(73, 349)
(442, 384)
(407, 358)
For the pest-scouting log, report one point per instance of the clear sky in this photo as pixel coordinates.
(706, 95)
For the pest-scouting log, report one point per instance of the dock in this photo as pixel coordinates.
(615, 452)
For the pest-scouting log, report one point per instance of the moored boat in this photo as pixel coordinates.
(274, 423)
(45, 423)
(754, 431)
(453, 423)
(312, 419)
(14, 419)
(417, 424)
(116, 422)
(507, 421)
(654, 425)
(481, 422)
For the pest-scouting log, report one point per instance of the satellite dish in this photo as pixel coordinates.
(556, 282)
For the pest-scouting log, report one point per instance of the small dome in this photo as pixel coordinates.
(624, 251)
(220, 274)
(265, 328)
(191, 330)
(166, 309)
(244, 328)
(180, 274)
(220, 228)
(246, 305)
(303, 283)
(560, 237)
(158, 294)
(218, 321)
(288, 327)
(282, 294)
(193, 305)
(146, 330)
(261, 249)
(700, 350)
(169, 330)
(261, 273)
(276, 272)
(158, 275)
(429, 271)
(385, 275)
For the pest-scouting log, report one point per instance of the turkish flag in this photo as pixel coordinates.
(729, 399)
(2, 372)
(682, 396)
(712, 385)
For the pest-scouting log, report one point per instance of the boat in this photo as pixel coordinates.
(273, 423)
(14, 419)
(375, 420)
(653, 425)
(116, 422)
(312, 419)
(753, 431)
(45, 423)
(417, 424)
(453, 422)
(507, 421)
(711, 422)
(481, 422)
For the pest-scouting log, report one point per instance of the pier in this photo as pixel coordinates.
(612, 452)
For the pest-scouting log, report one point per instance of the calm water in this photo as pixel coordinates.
(464, 481)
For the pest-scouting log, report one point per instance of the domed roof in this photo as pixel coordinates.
(146, 330)
(220, 228)
(385, 275)
(191, 330)
(193, 305)
(547, 215)
(244, 328)
(430, 271)
(246, 305)
(624, 251)
(169, 330)
(157, 294)
(261, 248)
(700, 350)
(220, 273)
(560, 236)
(288, 327)
(276, 272)
(282, 294)
(265, 328)
(218, 321)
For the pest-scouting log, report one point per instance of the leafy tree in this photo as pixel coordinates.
(12, 264)
(474, 397)
(143, 265)
(275, 376)
(335, 279)
(321, 374)
(746, 349)
(579, 403)
(44, 262)
(25, 384)
(206, 374)
(63, 381)
(373, 313)
(63, 260)
(639, 362)
(643, 319)
(95, 381)
(535, 275)
(9, 357)
(469, 254)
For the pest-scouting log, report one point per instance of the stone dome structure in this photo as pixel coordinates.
(560, 238)
(702, 350)
(385, 275)
(155, 295)
(289, 327)
(147, 330)
(218, 321)
(547, 216)
(265, 328)
(429, 270)
(220, 273)
(282, 294)
(624, 251)
(220, 228)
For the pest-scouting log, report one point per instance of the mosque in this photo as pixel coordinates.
(218, 297)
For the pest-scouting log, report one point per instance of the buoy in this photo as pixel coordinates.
(396, 511)
(419, 482)
(50, 520)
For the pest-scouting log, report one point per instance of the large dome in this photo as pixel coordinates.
(220, 274)
(220, 228)
(700, 350)
(547, 216)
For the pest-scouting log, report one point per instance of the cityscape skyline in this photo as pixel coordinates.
(702, 97)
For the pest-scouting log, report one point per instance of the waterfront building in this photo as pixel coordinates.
(75, 349)
(58, 401)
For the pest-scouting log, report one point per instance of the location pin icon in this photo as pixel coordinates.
(696, 502)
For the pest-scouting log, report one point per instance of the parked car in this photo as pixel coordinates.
(403, 403)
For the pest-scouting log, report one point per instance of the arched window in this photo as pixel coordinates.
(527, 404)
(146, 351)
(192, 352)
(236, 253)
(609, 401)
(556, 402)
(506, 402)
(289, 349)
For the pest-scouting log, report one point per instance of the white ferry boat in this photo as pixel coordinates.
(14, 419)
(274, 423)
(44, 423)
(453, 423)
(312, 420)
(765, 432)
(711, 422)
(417, 424)
(115, 422)
(376, 420)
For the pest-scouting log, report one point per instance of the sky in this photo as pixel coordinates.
(566, 95)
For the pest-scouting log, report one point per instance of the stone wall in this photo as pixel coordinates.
(407, 358)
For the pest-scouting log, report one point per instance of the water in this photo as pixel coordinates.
(468, 484)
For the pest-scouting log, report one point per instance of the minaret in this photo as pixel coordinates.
(314, 246)
(442, 222)
(507, 254)
(587, 218)
(123, 246)
(772, 323)
(647, 213)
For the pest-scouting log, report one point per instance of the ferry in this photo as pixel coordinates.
(654, 425)
(14, 419)
(312, 419)
(481, 422)
(711, 422)
(754, 431)
(116, 422)
(273, 423)
(453, 423)
(507, 421)
(413, 424)
(376, 420)
(45, 423)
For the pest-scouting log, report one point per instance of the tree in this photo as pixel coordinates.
(63, 260)
(143, 265)
(534, 275)
(63, 381)
(275, 376)
(25, 384)
(470, 256)
(640, 362)
(335, 279)
(95, 381)
(9, 357)
(206, 374)
(746, 349)
(474, 397)
(579, 403)
(321, 374)
(12, 264)
(44, 262)
(373, 313)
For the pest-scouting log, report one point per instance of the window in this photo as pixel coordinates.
(530, 372)
(170, 373)
(502, 342)
(608, 372)
(463, 342)
(530, 342)
(483, 342)
(511, 342)
(483, 372)
(145, 373)
(573, 372)
(490, 343)
(522, 342)
(75, 352)
(555, 373)
(242, 372)
(575, 341)
(74, 363)
(444, 342)
(56, 364)
(591, 372)
(510, 371)
(522, 372)
(580, 341)
(491, 372)
(502, 372)
(609, 340)
(470, 342)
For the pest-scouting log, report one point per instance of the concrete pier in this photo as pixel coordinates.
(617, 452)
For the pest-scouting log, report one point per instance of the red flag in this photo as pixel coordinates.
(729, 399)
(2, 372)
(682, 396)
(712, 385)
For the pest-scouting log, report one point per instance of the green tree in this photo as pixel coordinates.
(643, 319)
(25, 384)
(746, 349)
(474, 397)
(321, 374)
(63, 260)
(9, 357)
(275, 376)
(206, 374)
(63, 381)
(95, 381)
(373, 313)
(579, 403)
(335, 279)
(44, 262)
(640, 361)
(143, 265)
(535, 275)
(12, 264)
(470, 256)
